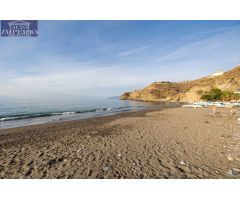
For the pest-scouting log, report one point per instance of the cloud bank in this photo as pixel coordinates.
(103, 62)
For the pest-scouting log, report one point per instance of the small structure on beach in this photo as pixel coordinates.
(237, 92)
(212, 104)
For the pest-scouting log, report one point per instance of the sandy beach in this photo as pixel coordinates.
(167, 143)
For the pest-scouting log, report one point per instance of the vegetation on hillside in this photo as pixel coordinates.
(216, 94)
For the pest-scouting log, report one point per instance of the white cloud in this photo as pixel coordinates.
(59, 75)
(72, 81)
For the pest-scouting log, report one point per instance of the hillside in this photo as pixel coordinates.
(187, 91)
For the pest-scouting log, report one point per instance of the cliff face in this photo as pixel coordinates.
(188, 91)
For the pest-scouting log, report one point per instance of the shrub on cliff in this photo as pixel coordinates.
(213, 95)
(216, 94)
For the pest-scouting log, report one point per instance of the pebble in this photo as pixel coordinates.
(105, 169)
(234, 172)
(230, 158)
(119, 155)
(200, 169)
(182, 163)
(82, 148)
(165, 174)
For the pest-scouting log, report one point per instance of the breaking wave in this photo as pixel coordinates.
(49, 114)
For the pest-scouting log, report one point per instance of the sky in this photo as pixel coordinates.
(107, 58)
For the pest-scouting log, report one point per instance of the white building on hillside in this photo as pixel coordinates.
(219, 73)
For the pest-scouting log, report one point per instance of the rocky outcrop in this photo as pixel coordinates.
(187, 91)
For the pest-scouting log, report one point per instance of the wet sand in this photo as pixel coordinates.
(168, 143)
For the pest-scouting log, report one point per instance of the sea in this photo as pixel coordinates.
(17, 112)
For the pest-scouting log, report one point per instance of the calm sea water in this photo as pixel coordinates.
(22, 112)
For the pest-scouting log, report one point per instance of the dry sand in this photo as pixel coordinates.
(169, 143)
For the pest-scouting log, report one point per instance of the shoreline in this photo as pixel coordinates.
(146, 108)
(55, 123)
(63, 122)
(154, 143)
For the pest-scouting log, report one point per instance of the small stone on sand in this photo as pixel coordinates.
(182, 163)
(234, 172)
(105, 169)
(230, 158)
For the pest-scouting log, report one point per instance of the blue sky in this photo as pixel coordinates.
(107, 58)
